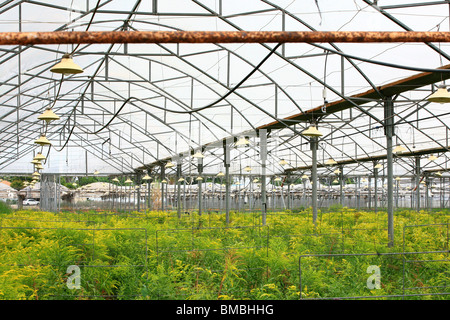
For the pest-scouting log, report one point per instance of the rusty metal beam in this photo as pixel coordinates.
(388, 90)
(376, 158)
(89, 37)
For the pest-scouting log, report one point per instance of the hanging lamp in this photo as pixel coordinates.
(35, 162)
(432, 157)
(242, 142)
(39, 157)
(96, 172)
(164, 181)
(36, 174)
(181, 179)
(247, 169)
(115, 179)
(337, 171)
(48, 115)
(199, 178)
(66, 66)
(220, 174)
(169, 165)
(128, 180)
(312, 131)
(330, 162)
(146, 177)
(198, 154)
(38, 166)
(255, 180)
(399, 149)
(441, 95)
(378, 166)
(283, 162)
(43, 141)
(277, 179)
(305, 176)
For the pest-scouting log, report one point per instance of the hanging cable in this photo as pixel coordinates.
(192, 110)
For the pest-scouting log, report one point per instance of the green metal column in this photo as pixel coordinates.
(389, 132)
(314, 178)
(263, 155)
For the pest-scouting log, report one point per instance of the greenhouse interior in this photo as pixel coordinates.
(210, 149)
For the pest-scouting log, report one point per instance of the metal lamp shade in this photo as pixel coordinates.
(441, 95)
(312, 132)
(39, 157)
(66, 66)
(242, 142)
(42, 141)
(399, 149)
(48, 115)
(198, 154)
(169, 165)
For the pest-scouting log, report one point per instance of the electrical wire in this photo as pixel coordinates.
(212, 104)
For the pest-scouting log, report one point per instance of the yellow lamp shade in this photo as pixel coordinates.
(146, 177)
(283, 162)
(330, 162)
(169, 165)
(399, 149)
(242, 142)
(220, 174)
(198, 154)
(312, 132)
(441, 95)
(48, 115)
(43, 141)
(128, 181)
(66, 66)
(39, 157)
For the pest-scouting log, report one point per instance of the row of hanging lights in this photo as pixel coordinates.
(64, 67)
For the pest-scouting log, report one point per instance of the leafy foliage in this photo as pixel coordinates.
(156, 255)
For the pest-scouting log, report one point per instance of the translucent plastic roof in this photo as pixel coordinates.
(140, 97)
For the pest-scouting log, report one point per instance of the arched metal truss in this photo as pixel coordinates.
(157, 87)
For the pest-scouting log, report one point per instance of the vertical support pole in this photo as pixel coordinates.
(288, 181)
(163, 173)
(226, 162)
(314, 178)
(179, 189)
(375, 200)
(200, 184)
(417, 176)
(138, 183)
(389, 132)
(263, 155)
(341, 185)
